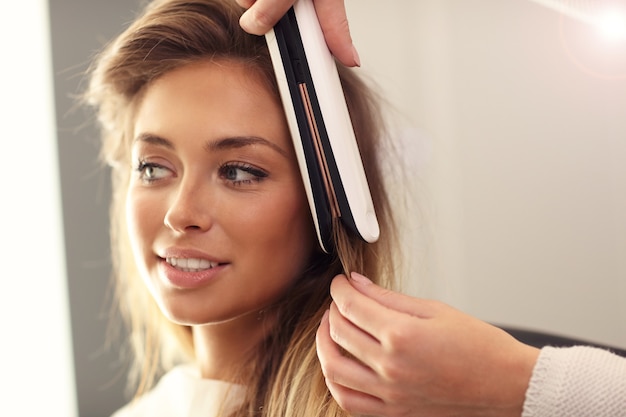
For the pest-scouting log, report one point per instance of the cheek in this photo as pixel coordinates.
(289, 226)
(141, 218)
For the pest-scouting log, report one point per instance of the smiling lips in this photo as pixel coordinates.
(191, 264)
(189, 272)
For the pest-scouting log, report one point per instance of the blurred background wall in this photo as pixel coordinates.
(512, 121)
(515, 117)
(79, 28)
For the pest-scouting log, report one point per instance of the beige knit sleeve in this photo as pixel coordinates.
(577, 382)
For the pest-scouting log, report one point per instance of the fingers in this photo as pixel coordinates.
(334, 22)
(352, 339)
(351, 383)
(363, 311)
(393, 300)
(355, 402)
(337, 367)
(262, 15)
(376, 375)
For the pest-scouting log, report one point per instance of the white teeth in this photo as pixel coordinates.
(191, 264)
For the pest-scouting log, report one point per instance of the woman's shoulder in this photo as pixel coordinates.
(181, 391)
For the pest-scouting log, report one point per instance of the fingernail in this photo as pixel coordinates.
(355, 55)
(360, 278)
(247, 23)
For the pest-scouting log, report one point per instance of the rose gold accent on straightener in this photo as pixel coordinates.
(317, 141)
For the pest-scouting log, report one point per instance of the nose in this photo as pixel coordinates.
(190, 209)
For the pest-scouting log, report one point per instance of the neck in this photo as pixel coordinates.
(223, 349)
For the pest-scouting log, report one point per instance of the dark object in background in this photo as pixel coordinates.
(541, 339)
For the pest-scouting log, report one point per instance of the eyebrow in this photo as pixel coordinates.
(242, 141)
(232, 142)
(151, 139)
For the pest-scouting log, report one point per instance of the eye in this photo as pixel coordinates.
(150, 172)
(239, 173)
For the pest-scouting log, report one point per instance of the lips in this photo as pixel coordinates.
(190, 273)
(191, 264)
(189, 268)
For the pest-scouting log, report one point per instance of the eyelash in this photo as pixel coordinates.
(257, 174)
(142, 166)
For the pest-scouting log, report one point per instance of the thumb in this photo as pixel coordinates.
(393, 300)
(262, 15)
(334, 23)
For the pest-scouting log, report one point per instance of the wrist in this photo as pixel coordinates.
(519, 372)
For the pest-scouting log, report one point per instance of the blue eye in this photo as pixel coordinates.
(240, 173)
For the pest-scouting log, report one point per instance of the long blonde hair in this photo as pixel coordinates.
(287, 379)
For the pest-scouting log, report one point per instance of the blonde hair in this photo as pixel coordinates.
(287, 379)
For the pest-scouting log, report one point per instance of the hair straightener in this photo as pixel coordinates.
(320, 126)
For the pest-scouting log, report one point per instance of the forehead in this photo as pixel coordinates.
(217, 97)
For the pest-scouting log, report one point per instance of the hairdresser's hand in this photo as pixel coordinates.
(263, 14)
(417, 357)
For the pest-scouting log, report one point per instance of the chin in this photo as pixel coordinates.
(187, 316)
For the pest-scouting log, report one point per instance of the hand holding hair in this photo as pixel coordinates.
(414, 357)
(262, 15)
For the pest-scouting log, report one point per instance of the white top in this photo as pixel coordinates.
(577, 382)
(181, 392)
(566, 382)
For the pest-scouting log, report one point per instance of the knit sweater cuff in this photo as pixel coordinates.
(577, 382)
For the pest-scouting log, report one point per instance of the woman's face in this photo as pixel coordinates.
(217, 214)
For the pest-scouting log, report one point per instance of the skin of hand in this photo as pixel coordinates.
(388, 354)
(262, 15)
